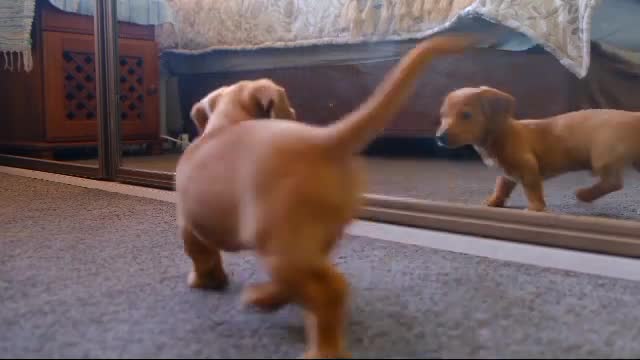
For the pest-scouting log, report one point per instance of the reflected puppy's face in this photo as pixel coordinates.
(469, 116)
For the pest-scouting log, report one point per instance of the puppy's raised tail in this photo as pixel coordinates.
(356, 130)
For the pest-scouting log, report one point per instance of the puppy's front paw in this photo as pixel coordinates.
(218, 282)
(266, 297)
(494, 201)
(585, 195)
(314, 354)
(536, 207)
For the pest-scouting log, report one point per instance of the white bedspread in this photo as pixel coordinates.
(250, 24)
(561, 26)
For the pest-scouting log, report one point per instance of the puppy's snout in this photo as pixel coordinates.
(443, 139)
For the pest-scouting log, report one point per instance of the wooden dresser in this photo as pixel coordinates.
(54, 106)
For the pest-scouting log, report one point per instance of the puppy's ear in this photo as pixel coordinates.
(497, 104)
(272, 100)
(202, 110)
(199, 116)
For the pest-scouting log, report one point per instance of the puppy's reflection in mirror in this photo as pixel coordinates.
(604, 142)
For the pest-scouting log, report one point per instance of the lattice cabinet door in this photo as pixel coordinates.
(70, 88)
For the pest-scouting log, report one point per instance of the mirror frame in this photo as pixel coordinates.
(51, 166)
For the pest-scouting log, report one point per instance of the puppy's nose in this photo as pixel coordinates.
(442, 139)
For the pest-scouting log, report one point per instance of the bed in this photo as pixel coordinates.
(330, 54)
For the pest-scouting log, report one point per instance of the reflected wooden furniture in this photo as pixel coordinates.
(54, 106)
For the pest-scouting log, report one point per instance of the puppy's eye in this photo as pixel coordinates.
(465, 115)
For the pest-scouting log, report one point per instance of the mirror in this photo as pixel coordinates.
(149, 102)
(425, 170)
(152, 134)
(48, 84)
(145, 143)
(325, 81)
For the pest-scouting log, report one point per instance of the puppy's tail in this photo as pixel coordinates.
(354, 131)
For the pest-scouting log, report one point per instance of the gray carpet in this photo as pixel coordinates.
(86, 273)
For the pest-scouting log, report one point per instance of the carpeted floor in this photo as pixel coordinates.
(85, 273)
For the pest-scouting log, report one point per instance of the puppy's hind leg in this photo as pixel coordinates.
(273, 295)
(611, 180)
(322, 291)
(504, 188)
(268, 296)
(208, 272)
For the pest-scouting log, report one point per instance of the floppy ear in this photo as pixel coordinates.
(201, 111)
(272, 100)
(199, 116)
(497, 105)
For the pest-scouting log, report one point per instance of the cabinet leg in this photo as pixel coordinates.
(44, 154)
(154, 148)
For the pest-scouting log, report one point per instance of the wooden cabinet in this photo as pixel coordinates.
(54, 106)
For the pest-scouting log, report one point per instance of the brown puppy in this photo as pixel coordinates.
(529, 151)
(285, 189)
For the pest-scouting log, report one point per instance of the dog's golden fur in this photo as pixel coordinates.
(530, 151)
(285, 189)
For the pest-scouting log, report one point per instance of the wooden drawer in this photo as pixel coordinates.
(70, 88)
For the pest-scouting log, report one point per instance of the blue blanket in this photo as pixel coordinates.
(143, 12)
